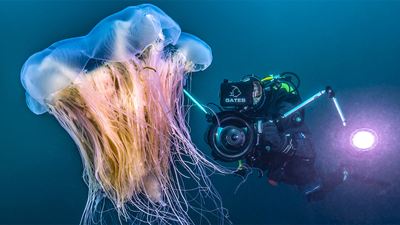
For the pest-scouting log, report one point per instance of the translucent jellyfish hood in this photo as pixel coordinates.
(117, 38)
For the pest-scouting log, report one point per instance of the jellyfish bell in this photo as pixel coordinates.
(194, 50)
(118, 92)
(116, 38)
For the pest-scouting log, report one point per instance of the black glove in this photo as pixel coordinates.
(274, 141)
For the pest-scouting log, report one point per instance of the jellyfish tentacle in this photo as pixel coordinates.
(118, 92)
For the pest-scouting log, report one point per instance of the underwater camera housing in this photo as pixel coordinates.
(231, 136)
(236, 94)
(234, 132)
(242, 95)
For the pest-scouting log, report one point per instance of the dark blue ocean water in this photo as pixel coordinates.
(352, 45)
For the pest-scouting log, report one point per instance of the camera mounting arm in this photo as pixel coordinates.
(195, 101)
(328, 90)
(331, 94)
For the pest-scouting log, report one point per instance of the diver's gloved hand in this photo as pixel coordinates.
(274, 141)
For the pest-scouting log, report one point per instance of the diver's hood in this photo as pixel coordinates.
(116, 38)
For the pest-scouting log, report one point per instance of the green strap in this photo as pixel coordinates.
(240, 164)
(286, 87)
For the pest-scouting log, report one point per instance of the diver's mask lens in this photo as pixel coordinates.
(257, 92)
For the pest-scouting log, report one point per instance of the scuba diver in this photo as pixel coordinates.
(250, 129)
(260, 124)
(288, 155)
(286, 150)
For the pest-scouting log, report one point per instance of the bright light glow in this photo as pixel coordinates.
(364, 139)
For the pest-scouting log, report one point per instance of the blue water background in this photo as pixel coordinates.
(352, 45)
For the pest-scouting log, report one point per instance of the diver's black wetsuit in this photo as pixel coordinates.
(287, 152)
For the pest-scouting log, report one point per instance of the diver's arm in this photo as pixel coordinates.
(289, 136)
(276, 141)
(286, 102)
(295, 131)
(292, 142)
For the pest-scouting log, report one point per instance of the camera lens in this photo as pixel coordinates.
(231, 137)
(235, 137)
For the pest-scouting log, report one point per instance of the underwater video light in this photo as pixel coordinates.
(364, 139)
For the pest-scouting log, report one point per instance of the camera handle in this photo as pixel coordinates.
(331, 94)
(195, 101)
(259, 130)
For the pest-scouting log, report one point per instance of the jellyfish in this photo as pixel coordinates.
(118, 92)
